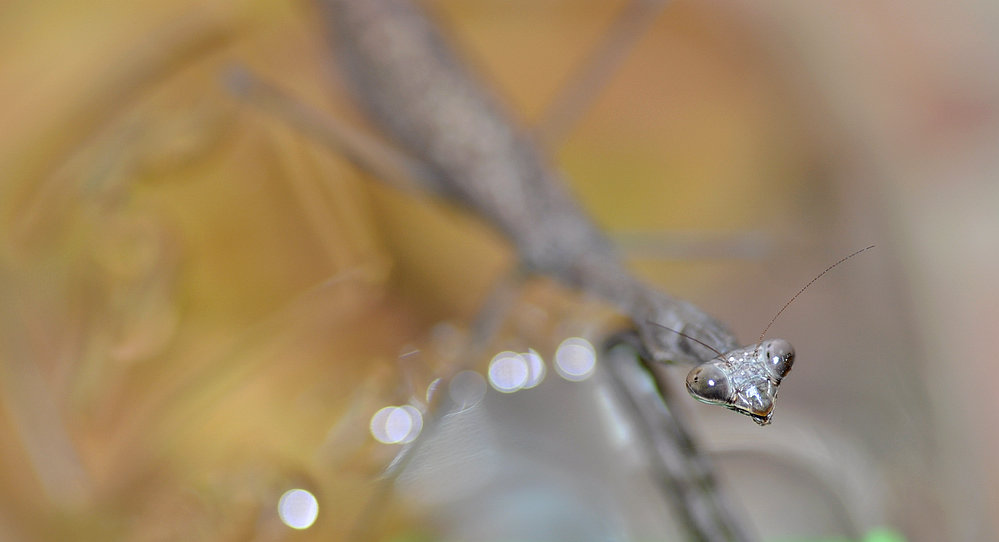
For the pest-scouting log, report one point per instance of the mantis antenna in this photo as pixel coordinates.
(746, 379)
(772, 320)
(682, 334)
(805, 287)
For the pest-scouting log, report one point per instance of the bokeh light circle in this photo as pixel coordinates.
(467, 388)
(575, 359)
(396, 424)
(508, 372)
(535, 367)
(298, 508)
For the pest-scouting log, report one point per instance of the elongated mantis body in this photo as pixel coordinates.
(417, 90)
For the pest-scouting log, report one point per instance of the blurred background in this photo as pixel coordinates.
(202, 309)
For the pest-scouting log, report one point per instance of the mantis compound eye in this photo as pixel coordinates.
(779, 356)
(709, 383)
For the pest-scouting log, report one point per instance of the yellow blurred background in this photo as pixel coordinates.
(201, 308)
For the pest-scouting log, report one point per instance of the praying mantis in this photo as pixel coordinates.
(416, 89)
(459, 143)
